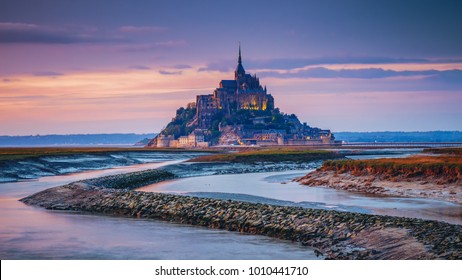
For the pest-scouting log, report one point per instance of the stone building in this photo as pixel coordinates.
(194, 139)
(244, 92)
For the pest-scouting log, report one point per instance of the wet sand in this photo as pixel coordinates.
(373, 184)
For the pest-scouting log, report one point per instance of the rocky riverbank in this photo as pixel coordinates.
(435, 176)
(373, 184)
(336, 235)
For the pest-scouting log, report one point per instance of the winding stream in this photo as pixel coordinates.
(34, 233)
(277, 188)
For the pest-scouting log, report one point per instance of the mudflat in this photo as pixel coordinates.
(436, 176)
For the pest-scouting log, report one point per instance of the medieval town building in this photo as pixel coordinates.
(244, 92)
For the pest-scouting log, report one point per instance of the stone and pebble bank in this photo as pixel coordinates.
(130, 180)
(189, 169)
(335, 235)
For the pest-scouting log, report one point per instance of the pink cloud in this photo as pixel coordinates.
(26, 33)
(164, 72)
(17, 26)
(152, 46)
(142, 29)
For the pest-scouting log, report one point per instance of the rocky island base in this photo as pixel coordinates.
(335, 235)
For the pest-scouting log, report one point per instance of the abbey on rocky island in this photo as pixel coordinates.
(244, 92)
(238, 112)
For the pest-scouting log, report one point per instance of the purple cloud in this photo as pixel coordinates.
(292, 63)
(142, 29)
(48, 74)
(182, 66)
(152, 46)
(17, 26)
(163, 72)
(452, 76)
(8, 80)
(139, 67)
(220, 66)
(18, 32)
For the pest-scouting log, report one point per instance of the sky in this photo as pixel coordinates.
(113, 66)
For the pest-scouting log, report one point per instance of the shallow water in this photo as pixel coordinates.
(33, 168)
(33, 233)
(277, 188)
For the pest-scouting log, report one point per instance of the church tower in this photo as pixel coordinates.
(239, 74)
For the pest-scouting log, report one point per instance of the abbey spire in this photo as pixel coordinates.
(239, 60)
(240, 72)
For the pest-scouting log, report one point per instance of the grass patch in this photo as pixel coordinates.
(270, 155)
(447, 151)
(446, 167)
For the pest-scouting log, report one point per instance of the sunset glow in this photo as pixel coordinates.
(66, 72)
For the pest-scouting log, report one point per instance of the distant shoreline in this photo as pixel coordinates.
(368, 138)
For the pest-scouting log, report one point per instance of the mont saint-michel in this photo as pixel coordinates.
(239, 112)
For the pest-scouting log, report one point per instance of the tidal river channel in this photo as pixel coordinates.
(277, 188)
(34, 233)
